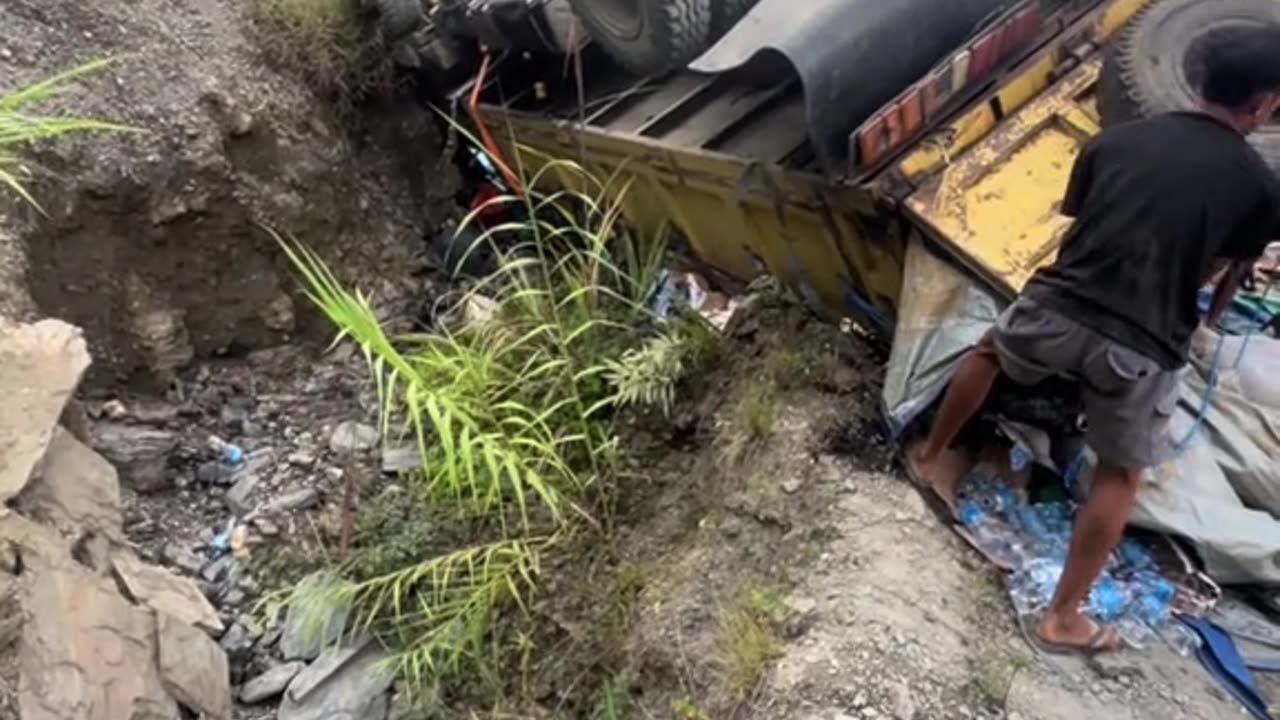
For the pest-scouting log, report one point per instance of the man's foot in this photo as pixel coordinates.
(1075, 635)
(940, 472)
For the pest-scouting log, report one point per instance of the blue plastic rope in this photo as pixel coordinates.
(1181, 446)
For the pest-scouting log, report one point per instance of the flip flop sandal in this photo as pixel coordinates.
(1095, 645)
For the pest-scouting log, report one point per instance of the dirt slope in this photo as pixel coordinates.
(879, 611)
(153, 243)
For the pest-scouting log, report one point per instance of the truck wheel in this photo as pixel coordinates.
(726, 13)
(648, 36)
(1152, 67)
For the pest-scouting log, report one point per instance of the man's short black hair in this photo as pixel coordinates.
(1238, 63)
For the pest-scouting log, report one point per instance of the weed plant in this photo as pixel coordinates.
(20, 126)
(514, 419)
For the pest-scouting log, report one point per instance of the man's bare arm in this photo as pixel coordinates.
(1226, 289)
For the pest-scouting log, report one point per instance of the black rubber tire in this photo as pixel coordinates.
(664, 34)
(1150, 68)
(399, 18)
(726, 13)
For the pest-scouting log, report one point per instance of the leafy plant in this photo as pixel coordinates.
(615, 698)
(648, 375)
(747, 639)
(512, 418)
(19, 128)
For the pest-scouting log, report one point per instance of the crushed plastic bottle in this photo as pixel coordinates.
(1181, 638)
(230, 454)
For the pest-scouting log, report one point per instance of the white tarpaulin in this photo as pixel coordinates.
(1221, 491)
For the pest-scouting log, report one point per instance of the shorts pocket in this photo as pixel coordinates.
(1116, 370)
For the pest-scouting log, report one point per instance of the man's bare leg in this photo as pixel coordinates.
(964, 397)
(1099, 526)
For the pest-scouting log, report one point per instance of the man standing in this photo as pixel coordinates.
(1159, 205)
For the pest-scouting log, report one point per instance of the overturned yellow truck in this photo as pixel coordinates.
(816, 136)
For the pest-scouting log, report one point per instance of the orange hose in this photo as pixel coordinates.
(486, 137)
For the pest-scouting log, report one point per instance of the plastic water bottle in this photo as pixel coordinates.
(230, 454)
(1107, 599)
(1184, 641)
(1019, 458)
(987, 533)
(1033, 585)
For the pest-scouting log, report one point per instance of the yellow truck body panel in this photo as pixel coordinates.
(986, 185)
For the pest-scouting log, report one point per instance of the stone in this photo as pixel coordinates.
(351, 437)
(314, 621)
(302, 459)
(214, 571)
(164, 592)
(237, 497)
(357, 688)
(904, 707)
(40, 366)
(86, 653)
(400, 459)
(182, 558)
(238, 641)
(791, 486)
(270, 684)
(193, 668)
(141, 454)
(208, 473)
(31, 545)
(76, 491)
(295, 500)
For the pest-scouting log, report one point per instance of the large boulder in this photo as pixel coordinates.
(40, 367)
(87, 654)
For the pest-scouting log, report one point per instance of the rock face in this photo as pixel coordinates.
(193, 668)
(87, 654)
(75, 491)
(165, 592)
(154, 241)
(93, 646)
(40, 366)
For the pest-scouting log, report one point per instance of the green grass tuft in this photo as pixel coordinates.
(20, 127)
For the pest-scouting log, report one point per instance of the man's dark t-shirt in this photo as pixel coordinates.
(1155, 202)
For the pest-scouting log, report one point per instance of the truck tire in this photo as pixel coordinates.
(726, 13)
(1151, 67)
(648, 36)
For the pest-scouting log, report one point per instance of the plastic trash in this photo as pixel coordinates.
(229, 453)
(1019, 458)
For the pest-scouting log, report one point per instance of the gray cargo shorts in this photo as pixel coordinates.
(1128, 397)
